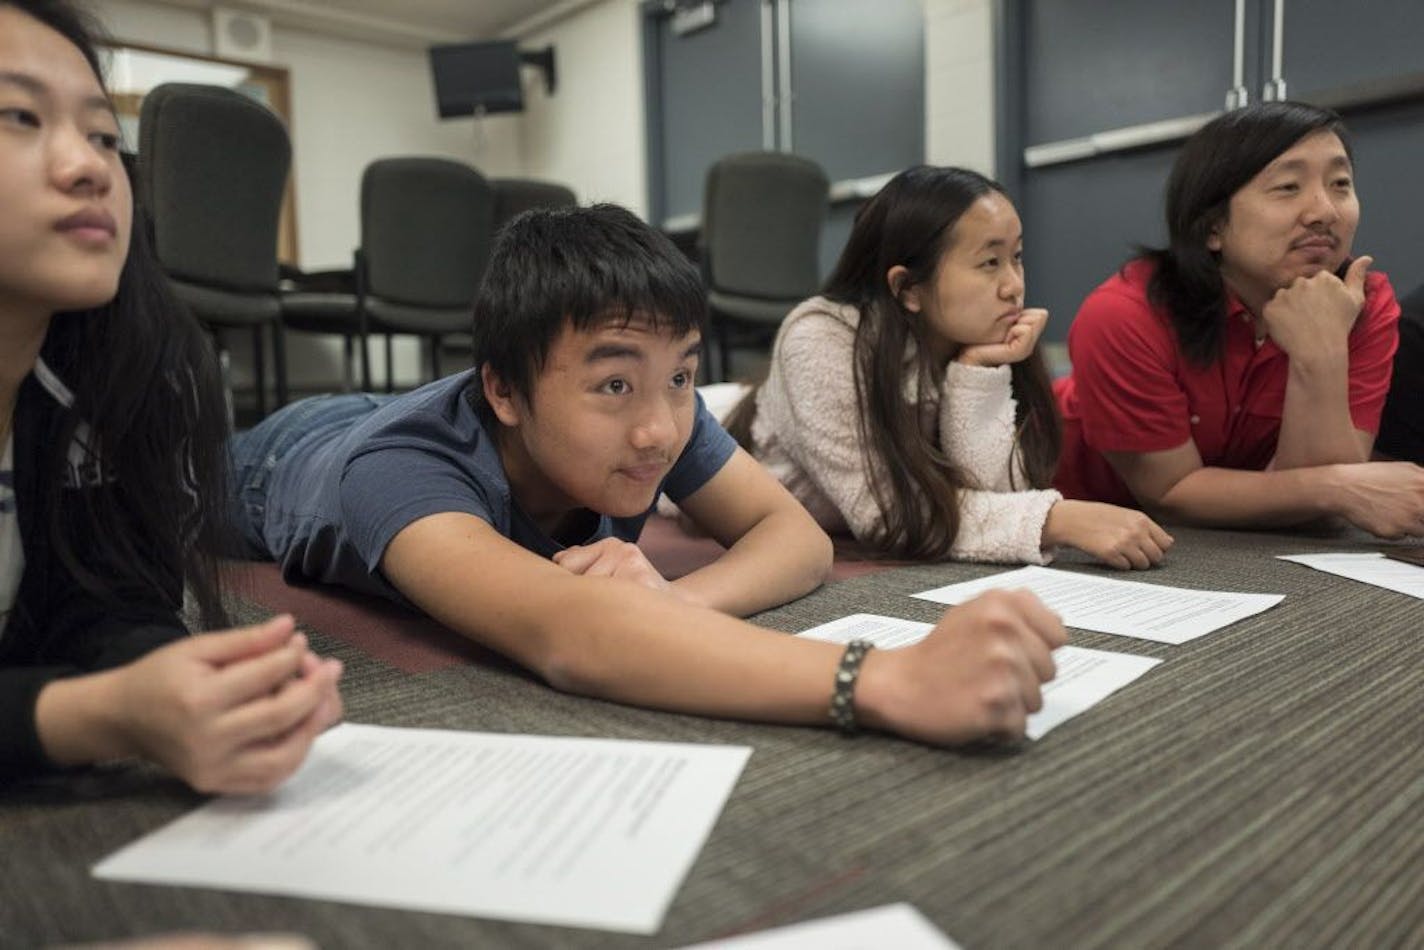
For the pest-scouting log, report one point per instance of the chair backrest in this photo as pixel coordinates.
(514, 196)
(213, 168)
(762, 214)
(427, 225)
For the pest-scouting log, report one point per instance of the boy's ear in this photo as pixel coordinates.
(500, 396)
(909, 297)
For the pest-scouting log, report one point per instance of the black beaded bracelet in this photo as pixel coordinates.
(843, 696)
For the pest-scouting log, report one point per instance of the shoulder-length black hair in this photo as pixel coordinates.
(1214, 164)
(553, 268)
(910, 222)
(148, 402)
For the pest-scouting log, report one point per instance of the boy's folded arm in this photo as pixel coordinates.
(776, 551)
(602, 636)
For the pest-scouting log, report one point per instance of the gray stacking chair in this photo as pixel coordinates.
(514, 196)
(427, 225)
(762, 215)
(213, 168)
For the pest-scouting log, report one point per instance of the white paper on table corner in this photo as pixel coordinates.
(570, 831)
(891, 925)
(1366, 567)
(1085, 677)
(1124, 608)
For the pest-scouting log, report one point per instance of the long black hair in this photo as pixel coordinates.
(148, 404)
(910, 223)
(1214, 164)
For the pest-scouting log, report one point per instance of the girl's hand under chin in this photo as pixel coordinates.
(1018, 342)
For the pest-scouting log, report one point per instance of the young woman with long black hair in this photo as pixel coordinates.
(907, 402)
(112, 466)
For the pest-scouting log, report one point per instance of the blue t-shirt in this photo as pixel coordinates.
(337, 497)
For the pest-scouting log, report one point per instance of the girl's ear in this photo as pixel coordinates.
(896, 279)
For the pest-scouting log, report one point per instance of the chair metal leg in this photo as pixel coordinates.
(259, 371)
(279, 361)
(435, 357)
(706, 361)
(225, 371)
(363, 327)
(348, 359)
(390, 364)
(724, 352)
(365, 342)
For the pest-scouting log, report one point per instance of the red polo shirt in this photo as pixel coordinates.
(1132, 390)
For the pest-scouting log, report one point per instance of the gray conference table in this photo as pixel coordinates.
(1263, 786)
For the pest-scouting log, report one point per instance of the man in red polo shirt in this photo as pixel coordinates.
(1236, 378)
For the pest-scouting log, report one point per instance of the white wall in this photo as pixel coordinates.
(353, 103)
(591, 133)
(959, 84)
(155, 24)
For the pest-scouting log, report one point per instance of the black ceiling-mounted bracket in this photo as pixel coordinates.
(544, 60)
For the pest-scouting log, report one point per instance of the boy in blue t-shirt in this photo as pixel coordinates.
(504, 502)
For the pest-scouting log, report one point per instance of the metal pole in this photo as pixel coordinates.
(783, 66)
(768, 76)
(1238, 96)
(1276, 87)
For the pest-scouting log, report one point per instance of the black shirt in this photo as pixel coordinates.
(57, 628)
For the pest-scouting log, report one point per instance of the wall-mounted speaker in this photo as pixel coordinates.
(238, 34)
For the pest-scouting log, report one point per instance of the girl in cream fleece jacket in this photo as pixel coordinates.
(945, 451)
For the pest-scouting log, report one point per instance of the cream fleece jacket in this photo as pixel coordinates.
(806, 434)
